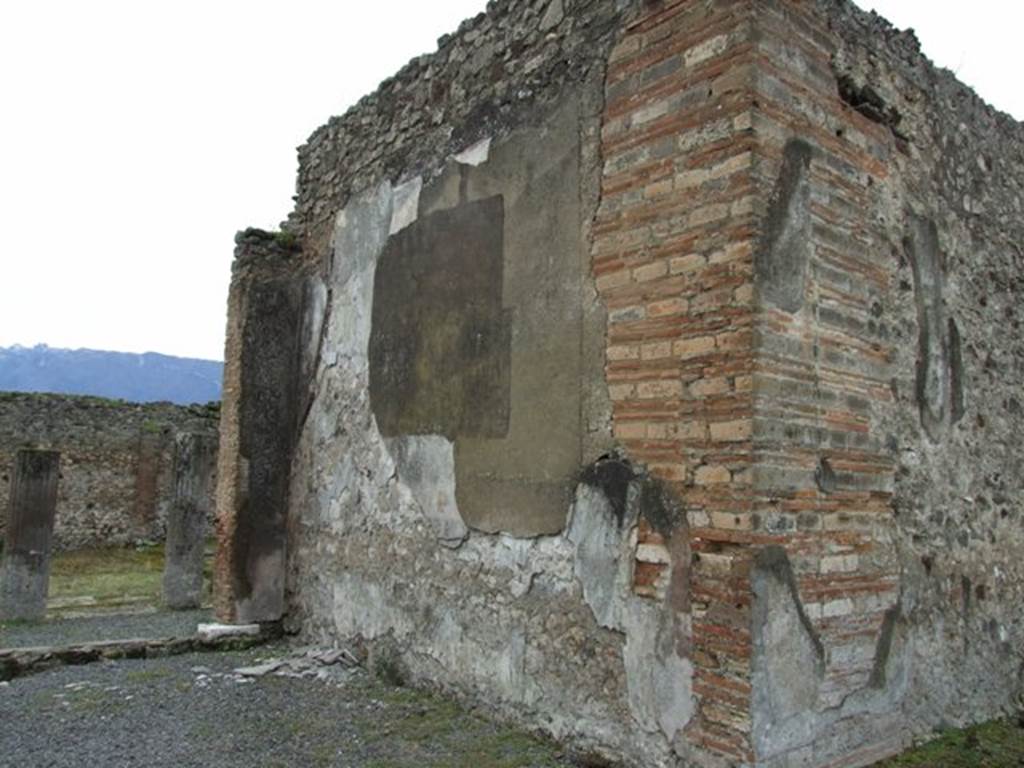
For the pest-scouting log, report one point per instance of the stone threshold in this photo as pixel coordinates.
(18, 662)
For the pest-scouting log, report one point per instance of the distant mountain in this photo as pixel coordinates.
(118, 375)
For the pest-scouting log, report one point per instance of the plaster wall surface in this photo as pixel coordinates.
(478, 517)
(116, 462)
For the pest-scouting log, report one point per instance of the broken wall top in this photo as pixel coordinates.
(500, 69)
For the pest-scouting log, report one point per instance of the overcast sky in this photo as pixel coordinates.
(137, 137)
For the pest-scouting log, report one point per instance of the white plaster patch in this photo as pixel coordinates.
(601, 561)
(314, 319)
(498, 657)
(363, 608)
(313, 325)
(426, 469)
(510, 666)
(406, 204)
(360, 232)
(787, 668)
(478, 154)
(673, 692)
(660, 682)
(347, 474)
(547, 558)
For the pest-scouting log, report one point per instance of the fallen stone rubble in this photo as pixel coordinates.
(309, 662)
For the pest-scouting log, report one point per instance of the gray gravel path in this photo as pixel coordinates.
(193, 710)
(96, 628)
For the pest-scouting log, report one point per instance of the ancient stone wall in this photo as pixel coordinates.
(886, 393)
(647, 383)
(116, 461)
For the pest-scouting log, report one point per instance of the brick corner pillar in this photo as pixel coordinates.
(148, 454)
(25, 575)
(738, 258)
(824, 572)
(673, 259)
(186, 521)
(259, 413)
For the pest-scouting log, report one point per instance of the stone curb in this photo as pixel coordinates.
(18, 662)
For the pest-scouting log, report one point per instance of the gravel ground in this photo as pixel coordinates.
(95, 628)
(194, 710)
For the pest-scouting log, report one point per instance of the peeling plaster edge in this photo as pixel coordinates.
(474, 155)
(405, 208)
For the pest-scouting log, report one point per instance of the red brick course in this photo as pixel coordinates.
(673, 259)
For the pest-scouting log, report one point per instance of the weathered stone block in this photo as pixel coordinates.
(194, 462)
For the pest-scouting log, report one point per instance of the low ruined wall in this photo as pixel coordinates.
(116, 465)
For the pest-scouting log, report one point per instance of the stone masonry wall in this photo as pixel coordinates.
(519, 597)
(887, 477)
(488, 77)
(116, 461)
(651, 378)
(670, 256)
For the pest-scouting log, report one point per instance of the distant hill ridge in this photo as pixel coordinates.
(145, 378)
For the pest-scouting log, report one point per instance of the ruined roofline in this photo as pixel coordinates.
(852, 22)
(851, 18)
(467, 32)
(483, 80)
(485, 76)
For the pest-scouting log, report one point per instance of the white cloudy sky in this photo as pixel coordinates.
(137, 137)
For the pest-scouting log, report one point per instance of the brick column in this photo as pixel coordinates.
(825, 575)
(25, 576)
(673, 259)
(259, 413)
(149, 452)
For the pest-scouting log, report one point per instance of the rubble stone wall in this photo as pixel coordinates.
(887, 475)
(116, 462)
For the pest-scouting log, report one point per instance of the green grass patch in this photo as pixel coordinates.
(417, 728)
(106, 578)
(999, 744)
(101, 580)
(147, 675)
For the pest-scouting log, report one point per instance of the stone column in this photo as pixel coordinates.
(186, 520)
(25, 576)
